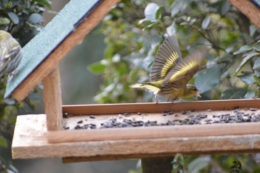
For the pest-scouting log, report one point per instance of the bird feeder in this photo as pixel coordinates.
(54, 135)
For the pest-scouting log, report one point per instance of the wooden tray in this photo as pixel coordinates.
(31, 139)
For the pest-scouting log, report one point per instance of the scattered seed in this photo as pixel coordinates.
(127, 114)
(66, 115)
(92, 117)
(252, 109)
(66, 127)
(79, 122)
(184, 112)
(120, 116)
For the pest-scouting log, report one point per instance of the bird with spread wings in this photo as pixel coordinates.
(170, 73)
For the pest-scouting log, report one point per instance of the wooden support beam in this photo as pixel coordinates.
(155, 165)
(66, 46)
(248, 9)
(52, 100)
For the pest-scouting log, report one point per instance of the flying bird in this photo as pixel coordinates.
(170, 73)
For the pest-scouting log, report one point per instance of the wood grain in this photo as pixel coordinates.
(59, 53)
(248, 9)
(52, 100)
(30, 141)
(99, 109)
(153, 132)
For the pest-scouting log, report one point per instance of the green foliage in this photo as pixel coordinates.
(134, 30)
(23, 19)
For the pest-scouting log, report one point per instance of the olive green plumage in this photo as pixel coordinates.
(170, 73)
(10, 53)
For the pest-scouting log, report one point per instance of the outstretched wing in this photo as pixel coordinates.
(184, 70)
(167, 56)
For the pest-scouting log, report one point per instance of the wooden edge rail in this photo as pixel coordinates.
(153, 132)
(131, 156)
(156, 108)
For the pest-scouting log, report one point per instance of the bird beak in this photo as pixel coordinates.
(198, 94)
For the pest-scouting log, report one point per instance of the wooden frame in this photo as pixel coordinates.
(106, 144)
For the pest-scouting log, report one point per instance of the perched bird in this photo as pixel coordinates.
(10, 54)
(170, 73)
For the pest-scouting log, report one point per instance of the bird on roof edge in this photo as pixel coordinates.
(10, 54)
(170, 73)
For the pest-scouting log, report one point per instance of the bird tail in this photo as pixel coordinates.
(147, 86)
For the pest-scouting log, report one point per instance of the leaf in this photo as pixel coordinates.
(243, 49)
(45, 3)
(4, 21)
(257, 72)
(97, 68)
(256, 64)
(252, 30)
(150, 11)
(247, 77)
(179, 5)
(249, 95)
(198, 164)
(35, 18)
(225, 7)
(245, 60)
(206, 22)
(208, 78)
(257, 80)
(3, 142)
(158, 14)
(14, 18)
(234, 93)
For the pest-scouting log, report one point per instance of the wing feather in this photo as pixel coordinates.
(184, 70)
(167, 56)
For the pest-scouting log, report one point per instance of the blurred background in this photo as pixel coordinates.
(120, 51)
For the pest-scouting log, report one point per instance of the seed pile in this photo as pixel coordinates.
(166, 118)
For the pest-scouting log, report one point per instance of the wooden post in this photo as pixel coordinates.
(52, 100)
(249, 9)
(155, 165)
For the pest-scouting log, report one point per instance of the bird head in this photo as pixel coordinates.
(191, 90)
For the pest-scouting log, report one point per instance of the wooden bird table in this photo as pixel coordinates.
(202, 127)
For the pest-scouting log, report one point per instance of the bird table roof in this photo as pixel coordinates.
(66, 30)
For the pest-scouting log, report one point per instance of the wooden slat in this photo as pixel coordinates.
(153, 132)
(30, 142)
(154, 108)
(248, 9)
(55, 57)
(131, 156)
(52, 100)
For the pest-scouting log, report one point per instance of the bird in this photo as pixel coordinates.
(10, 54)
(170, 73)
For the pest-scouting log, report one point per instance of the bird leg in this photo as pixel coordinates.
(171, 99)
(156, 99)
(174, 99)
